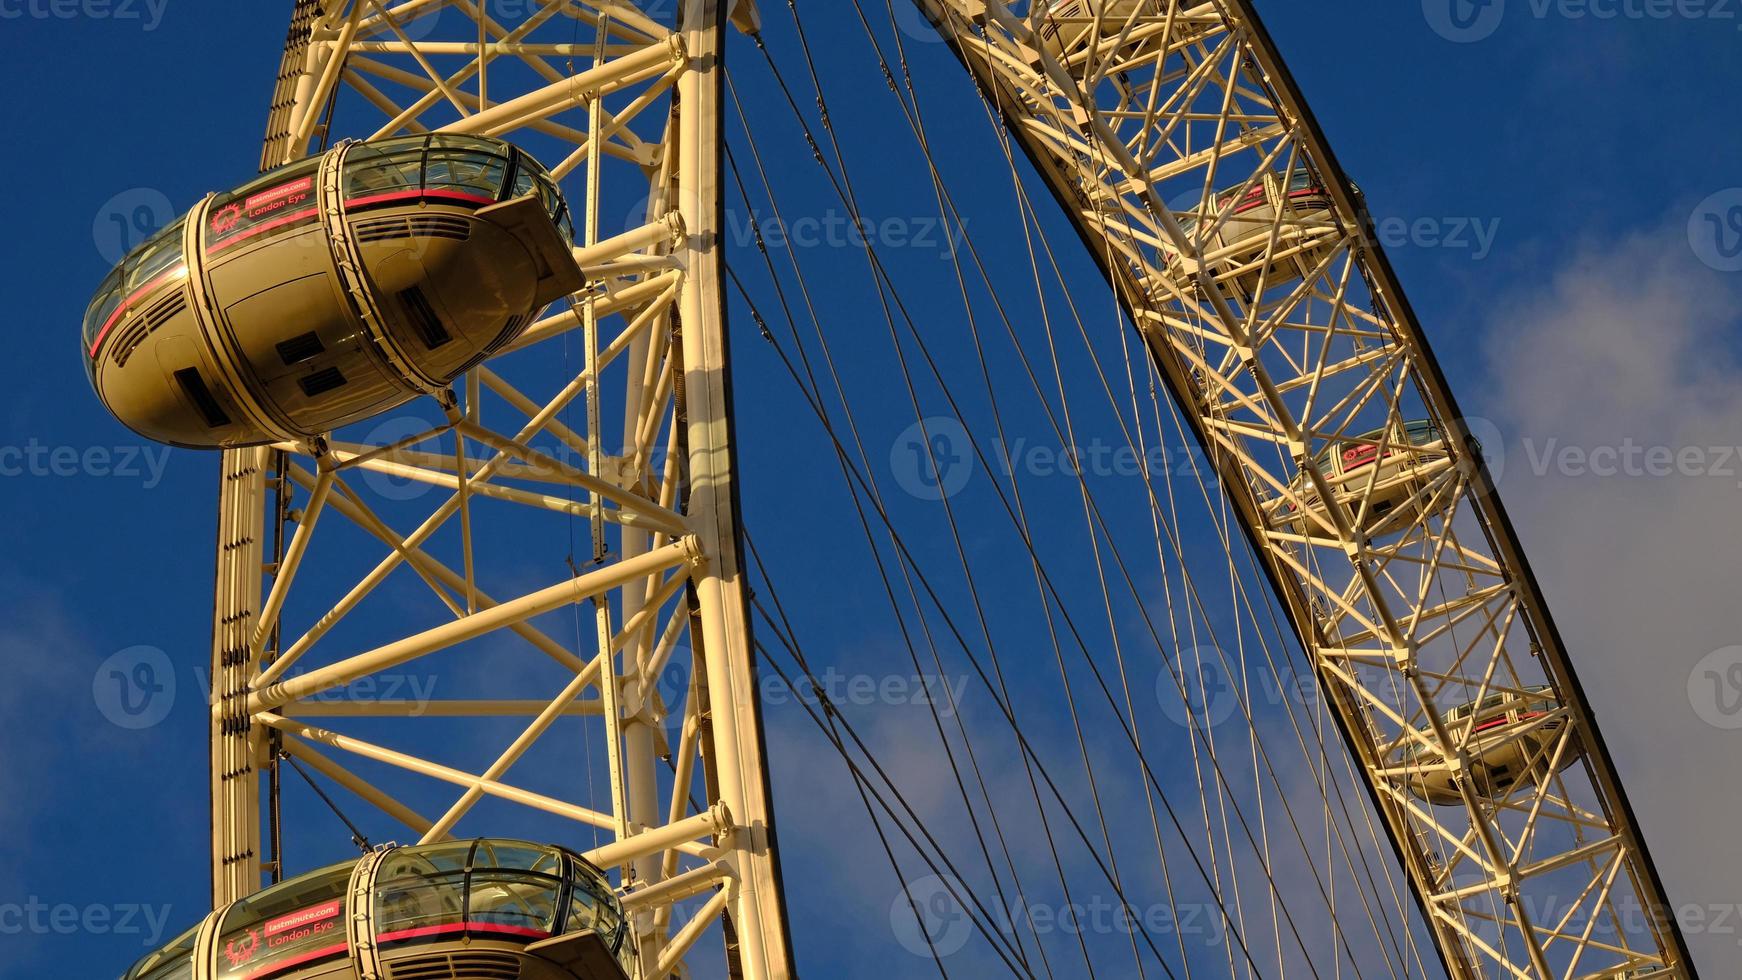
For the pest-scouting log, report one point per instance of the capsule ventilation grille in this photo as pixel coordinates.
(127, 341)
(324, 380)
(447, 226)
(300, 348)
(440, 226)
(136, 330)
(423, 319)
(472, 965)
(170, 306)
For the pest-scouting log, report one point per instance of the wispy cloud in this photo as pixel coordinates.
(1633, 346)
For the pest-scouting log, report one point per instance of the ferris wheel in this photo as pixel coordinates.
(473, 308)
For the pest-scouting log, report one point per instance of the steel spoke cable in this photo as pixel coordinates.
(876, 500)
(828, 724)
(1004, 709)
(1028, 748)
(815, 152)
(883, 300)
(1225, 547)
(832, 722)
(895, 604)
(949, 511)
(813, 395)
(920, 342)
(1052, 632)
(815, 387)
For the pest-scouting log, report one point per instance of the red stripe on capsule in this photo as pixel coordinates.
(128, 303)
(452, 927)
(295, 961)
(409, 195)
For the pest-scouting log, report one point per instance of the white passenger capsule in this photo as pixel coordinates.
(1268, 232)
(1384, 468)
(470, 908)
(328, 291)
(1066, 25)
(1510, 745)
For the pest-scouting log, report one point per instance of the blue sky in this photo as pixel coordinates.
(1540, 181)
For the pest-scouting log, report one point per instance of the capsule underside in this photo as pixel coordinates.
(289, 321)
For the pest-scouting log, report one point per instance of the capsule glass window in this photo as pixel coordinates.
(514, 886)
(532, 178)
(421, 888)
(592, 905)
(160, 254)
(102, 308)
(173, 962)
(1422, 432)
(468, 173)
(517, 901)
(376, 169)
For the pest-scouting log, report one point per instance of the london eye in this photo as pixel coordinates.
(464, 349)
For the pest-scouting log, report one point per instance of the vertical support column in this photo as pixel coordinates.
(734, 753)
(237, 746)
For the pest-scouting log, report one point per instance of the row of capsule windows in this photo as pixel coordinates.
(479, 889)
(469, 168)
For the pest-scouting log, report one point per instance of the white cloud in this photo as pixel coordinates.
(1630, 346)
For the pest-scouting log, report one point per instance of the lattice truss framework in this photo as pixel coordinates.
(622, 103)
(1411, 597)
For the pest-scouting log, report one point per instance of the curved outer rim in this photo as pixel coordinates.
(1286, 93)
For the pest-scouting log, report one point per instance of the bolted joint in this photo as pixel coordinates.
(693, 551)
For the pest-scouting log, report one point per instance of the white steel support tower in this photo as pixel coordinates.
(1156, 124)
(610, 420)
